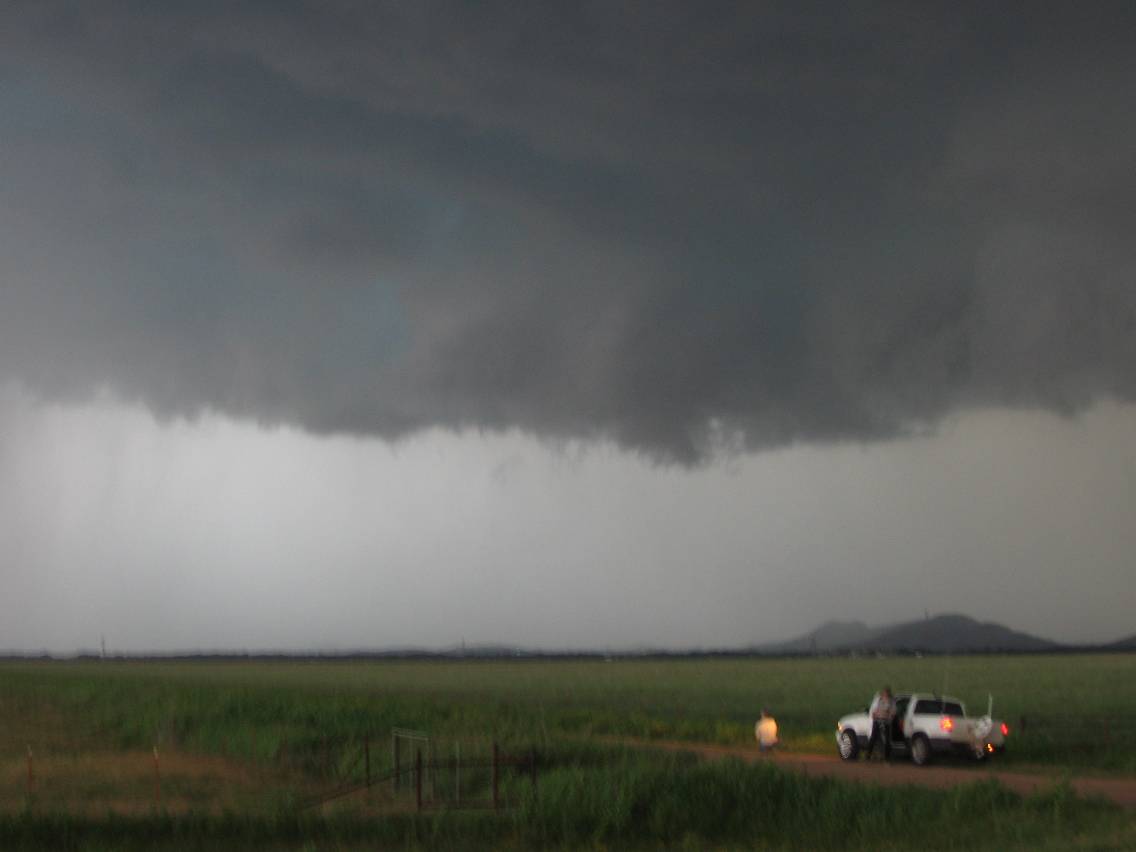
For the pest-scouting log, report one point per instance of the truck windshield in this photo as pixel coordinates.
(937, 707)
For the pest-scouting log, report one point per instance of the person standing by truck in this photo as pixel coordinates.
(881, 713)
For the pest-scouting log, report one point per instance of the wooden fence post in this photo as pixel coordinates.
(457, 773)
(367, 759)
(495, 759)
(418, 778)
(157, 780)
(31, 772)
(397, 769)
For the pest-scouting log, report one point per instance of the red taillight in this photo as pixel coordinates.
(947, 723)
(1005, 730)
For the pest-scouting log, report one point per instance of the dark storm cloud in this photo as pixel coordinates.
(669, 226)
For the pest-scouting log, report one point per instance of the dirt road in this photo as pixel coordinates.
(1120, 790)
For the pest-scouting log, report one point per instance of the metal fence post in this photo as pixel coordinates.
(157, 780)
(495, 759)
(397, 769)
(418, 778)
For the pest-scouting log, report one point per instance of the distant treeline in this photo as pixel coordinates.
(520, 654)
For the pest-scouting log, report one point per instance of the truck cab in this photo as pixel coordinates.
(925, 725)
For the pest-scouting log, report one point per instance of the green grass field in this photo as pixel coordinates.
(242, 744)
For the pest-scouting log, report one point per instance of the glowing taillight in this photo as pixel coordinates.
(1005, 730)
(947, 723)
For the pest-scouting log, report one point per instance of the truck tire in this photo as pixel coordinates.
(849, 745)
(920, 750)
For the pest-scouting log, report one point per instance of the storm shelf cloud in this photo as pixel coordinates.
(543, 305)
(677, 229)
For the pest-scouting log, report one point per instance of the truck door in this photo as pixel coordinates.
(898, 734)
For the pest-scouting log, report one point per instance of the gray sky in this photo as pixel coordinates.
(329, 325)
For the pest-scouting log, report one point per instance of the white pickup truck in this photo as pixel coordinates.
(926, 725)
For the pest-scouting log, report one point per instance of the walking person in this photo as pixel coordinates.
(881, 713)
(766, 731)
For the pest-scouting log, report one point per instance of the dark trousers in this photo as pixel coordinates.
(881, 730)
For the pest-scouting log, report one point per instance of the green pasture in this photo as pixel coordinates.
(1077, 709)
(246, 744)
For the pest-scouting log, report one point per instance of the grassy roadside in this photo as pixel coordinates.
(631, 801)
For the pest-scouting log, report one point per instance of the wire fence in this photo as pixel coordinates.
(475, 774)
(440, 782)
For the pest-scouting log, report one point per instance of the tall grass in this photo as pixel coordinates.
(635, 801)
(660, 802)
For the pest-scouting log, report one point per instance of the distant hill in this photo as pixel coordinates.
(830, 636)
(938, 635)
(957, 634)
(1128, 644)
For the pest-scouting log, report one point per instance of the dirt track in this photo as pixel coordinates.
(1120, 790)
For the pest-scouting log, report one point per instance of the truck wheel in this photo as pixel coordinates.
(849, 745)
(920, 750)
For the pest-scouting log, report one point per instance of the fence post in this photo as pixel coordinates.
(367, 759)
(495, 757)
(397, 769)
(457, 772)
(418, 778)
(532, 767)
(157, 780)
(31, 772)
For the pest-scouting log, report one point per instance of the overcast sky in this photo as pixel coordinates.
(330, 325)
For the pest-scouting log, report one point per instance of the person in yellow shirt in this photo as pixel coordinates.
(766, 731)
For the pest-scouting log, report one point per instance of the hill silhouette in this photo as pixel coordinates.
(1127, 644)
(940, 634)
(830, 636)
